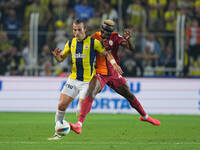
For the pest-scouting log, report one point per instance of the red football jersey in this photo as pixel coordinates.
(112, 44)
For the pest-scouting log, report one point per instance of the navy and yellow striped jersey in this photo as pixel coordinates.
(83, 55)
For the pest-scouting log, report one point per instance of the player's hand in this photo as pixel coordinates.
(105, 44)
(56, 52)
(127, 34)
(118, 69)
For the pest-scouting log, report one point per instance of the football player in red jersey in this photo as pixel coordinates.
(106, 75)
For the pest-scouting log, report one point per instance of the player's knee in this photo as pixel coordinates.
(91, 93)
(129, 96)
(61, 107)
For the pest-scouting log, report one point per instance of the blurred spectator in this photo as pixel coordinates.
(60, 34)
(84, 11)
(139, 49)
(197, 12)
(46, 69)
(5, 47)
(170, 19)
(26, 55)
(99, 5)
(47, 3)
(12, 26)
(37, 7)
(193, 40)
(44, 19)
(152, 50)
(45, 56)
(127, 62)
(3, 64)
(19, 7)
(194, 70)
(59, 9)
(196, 3)
(114, 3)
(109, 13)
(15, 62)
(55, 20)
(2, 6)
(139, 41)
(136, 15)
(186, 63)
(5, 43)
(150, 56)
(156, 10)
(95, 22)
(68, 21)
(185, 4)
(168, 60)
(5, 4)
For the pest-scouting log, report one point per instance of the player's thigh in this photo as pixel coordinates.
(70, 89)
(94, 87)
(83, 87)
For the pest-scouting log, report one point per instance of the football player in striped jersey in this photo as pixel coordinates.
(83, 50)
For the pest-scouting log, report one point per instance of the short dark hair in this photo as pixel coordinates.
(78, 21)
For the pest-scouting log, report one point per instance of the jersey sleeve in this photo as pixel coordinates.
(66, 50)
(98, 46)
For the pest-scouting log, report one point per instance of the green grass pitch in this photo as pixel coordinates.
(29, 131)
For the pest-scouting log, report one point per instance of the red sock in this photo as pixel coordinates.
(136, 104)
(85, 108)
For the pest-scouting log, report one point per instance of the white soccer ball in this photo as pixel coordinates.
(62, 127)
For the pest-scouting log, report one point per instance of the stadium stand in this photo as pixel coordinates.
(153, 24)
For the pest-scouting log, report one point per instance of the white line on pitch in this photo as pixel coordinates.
(100, 143)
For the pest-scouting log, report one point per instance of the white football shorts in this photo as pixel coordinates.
(74, 87)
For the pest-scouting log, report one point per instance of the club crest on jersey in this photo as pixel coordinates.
(86, 47)
(110, 42)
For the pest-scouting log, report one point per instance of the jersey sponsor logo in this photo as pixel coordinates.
(78, 55)
(110, 42)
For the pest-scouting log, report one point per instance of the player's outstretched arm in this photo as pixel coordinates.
(58, 55)
(128, 44)
(111, 59)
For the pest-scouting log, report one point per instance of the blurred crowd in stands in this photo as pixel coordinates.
(152, 22)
